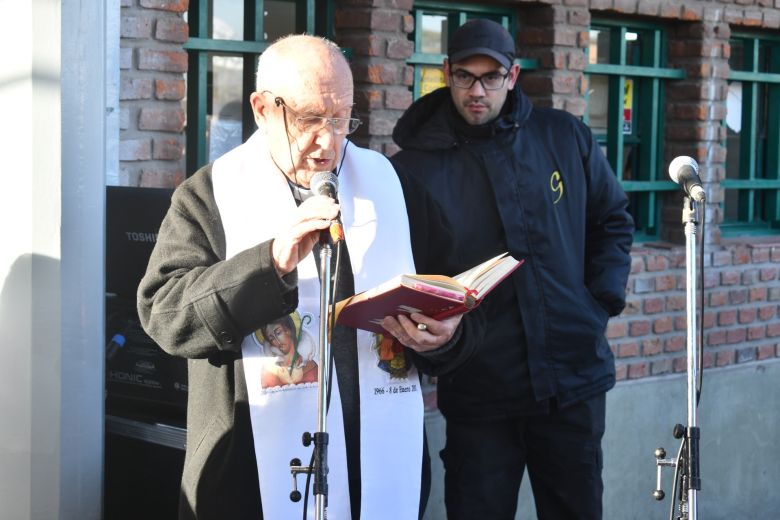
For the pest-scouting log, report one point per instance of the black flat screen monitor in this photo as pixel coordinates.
(133, 218)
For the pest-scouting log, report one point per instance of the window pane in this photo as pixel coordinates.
(633, 48)
(434, 34)
(598, 94)
(223, 117)
(598, 46)
(431, 78)
(279, 19)
(228, 20)
(736, 60)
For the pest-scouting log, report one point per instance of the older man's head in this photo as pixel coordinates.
(303, 104)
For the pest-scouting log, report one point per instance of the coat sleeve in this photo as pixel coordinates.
(609, 230)
(434, 253)
(192, 301)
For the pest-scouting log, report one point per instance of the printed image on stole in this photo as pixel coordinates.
(280, 360)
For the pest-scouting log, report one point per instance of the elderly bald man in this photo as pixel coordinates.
(238, 250)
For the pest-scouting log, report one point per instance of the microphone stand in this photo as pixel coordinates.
(319, 466)
(687, 462)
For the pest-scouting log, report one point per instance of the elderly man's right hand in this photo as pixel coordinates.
(296, 241)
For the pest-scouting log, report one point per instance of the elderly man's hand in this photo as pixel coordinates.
(297, 240)
(433, 335)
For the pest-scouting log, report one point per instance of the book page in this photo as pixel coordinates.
(443, 286)
(469, 278)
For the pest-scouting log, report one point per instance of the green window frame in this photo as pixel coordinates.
(454, 14)
(631, 65)
(751, 204)
(311, 16)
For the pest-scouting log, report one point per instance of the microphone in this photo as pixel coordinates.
(685, 171)
(326, 183)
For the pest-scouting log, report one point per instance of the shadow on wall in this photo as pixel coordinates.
(30, 342)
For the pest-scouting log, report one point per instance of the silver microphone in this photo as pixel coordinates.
(685, 171)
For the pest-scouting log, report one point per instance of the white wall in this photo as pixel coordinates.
(53, 99)
(739, 417)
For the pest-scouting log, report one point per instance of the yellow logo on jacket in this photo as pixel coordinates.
(556, 185)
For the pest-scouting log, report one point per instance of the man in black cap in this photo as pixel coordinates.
(533, 182)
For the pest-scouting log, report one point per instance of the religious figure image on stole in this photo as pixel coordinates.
(289, 352)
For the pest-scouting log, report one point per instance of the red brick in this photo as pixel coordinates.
(766, 313)
(651, 347)
(155, 178)
(675, 344)
(721, 258)
(399, 49)
(366, 100)
(167, 149)
(399, 99)
(768, 273)
(135, 27)
(165, 120)
(665, 282)
(758, 332)
(680, 364)
(773, 330)
(639, 328)
(628, 350)
(717, 299)
(656, 263)
(661, 366)
(169, 89)
(379, 124)
(758, 294)
(736, 335)
(738, 296)
(165, 61)
(174, 6)
(680, 323)
(616, 329)
(765, 352)
(621, 372)
(638, 370)
(729, 277)
(747, 315)
(171, 30)
(716, 337)
(637, 264)
(653, 305)
(675, 303)
(663, 325)
(709, 320)
(135, 149)
(708, 360)
(135, 88)
(725, 357)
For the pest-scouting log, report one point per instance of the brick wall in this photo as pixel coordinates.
(152, 88)
(741, 310)
(742, 314)
(377, 33)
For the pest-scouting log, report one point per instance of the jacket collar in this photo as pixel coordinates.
(433, 123)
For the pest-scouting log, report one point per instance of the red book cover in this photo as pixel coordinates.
(433, 295)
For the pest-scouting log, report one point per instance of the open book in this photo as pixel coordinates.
(436, 296)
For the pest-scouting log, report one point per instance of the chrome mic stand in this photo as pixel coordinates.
(319, 467)
(687, 461)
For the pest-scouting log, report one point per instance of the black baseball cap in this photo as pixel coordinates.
(481, 36)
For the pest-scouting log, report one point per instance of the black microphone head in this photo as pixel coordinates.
(681, 168)
(324, 183)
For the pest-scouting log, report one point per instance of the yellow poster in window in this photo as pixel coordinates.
(431, 78)
(628, 100)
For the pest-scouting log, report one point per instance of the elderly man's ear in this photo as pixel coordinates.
(260, 109)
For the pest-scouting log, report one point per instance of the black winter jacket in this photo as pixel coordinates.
(533, 182)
